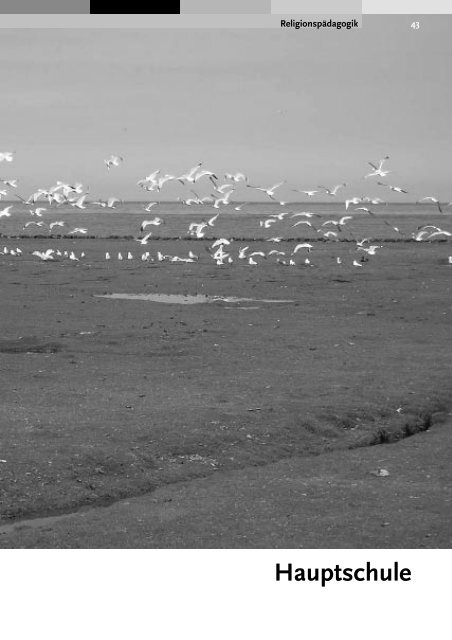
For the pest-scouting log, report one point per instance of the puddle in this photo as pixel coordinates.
(180, 299)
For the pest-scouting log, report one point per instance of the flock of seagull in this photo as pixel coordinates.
(220, 199)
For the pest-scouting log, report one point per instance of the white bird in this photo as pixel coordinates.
(270, 191)
(335, 222)
(338, 223)
(334, 190)
(158, 185)
(58, 223)
(150, 178)
(242, 253)
(308, 193)
(37, 212)
(220, 242)
(397, 189)
(273, 240)
(355, 200)
(129, 256)
(371, 250)
(330, 234)
(267, 223)
(309, 224)
(107, 256)
(190, 175)
(420, 235)
(279, 216)
(3, 193)
(113, 161)
(222, 188)
(434, 200)
(149, 206)
(120, 256)
(110, 204)
(72, 256)
(146, 223)
(204, 173)
(44, 255)
(357, 264)
(145, 239)
(364, 209)
(10, 183)
(6, 156)
(224, 200)
(197, 229)
(378, 169)
(236, 177)
(302, 245)
(78, 230)
(5, 213)
(439, 233)
(80, 202)
(251, 261)
(212, 220)
(306, 214)
(37, 224)
(190, 201)
(373, 200)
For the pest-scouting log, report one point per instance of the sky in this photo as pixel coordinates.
(310, 107)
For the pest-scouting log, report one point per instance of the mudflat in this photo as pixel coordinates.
(108, 399)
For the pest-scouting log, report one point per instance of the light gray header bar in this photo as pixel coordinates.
(316, 7)
(188, 21)
(225, 6)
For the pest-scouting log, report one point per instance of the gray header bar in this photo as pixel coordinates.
(44, 6)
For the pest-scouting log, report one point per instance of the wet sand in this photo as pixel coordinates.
(110, 399)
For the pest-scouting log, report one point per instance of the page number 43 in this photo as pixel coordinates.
(415, 25)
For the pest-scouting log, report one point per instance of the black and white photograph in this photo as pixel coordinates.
(225, 262)
(225, 348)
